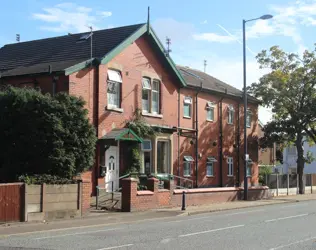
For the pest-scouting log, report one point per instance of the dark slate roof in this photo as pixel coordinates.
(209, 83)
(59, 52)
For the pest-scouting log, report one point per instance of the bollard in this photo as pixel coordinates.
(112, 191)
(183, 201)
(97, 199)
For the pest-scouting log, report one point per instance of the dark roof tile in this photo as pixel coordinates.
(62, 52)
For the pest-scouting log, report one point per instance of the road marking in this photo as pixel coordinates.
(299, 205)
(210, 231)
(285, 218)
(116, 247)
(294, 243)
(87, 232)
(245, 212)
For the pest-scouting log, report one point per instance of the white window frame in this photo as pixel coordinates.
(114, 77)
(231, 112)
(148, 149)
(230, 166)
(187, 102)
(155, 91)
(148, 89)
(210, 106)
(209, 164)
(187, 161)
(248, 118)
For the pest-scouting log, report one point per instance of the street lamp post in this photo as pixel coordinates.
(246, 156)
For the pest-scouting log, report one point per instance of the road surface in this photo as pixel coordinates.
(282, 226)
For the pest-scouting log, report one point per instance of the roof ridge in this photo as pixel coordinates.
(72, 34)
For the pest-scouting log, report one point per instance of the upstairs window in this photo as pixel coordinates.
(146, 90)
(114, 83)
(155, 97)
(187, 107)
(210, 107)
(150, 95)
(231, 112)
(248, 118)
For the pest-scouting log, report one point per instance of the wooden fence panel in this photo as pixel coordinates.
(11, 202)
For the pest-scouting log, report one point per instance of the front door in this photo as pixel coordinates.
(112, 168)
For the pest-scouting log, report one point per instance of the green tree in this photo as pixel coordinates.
(289, 90)
(42, 134)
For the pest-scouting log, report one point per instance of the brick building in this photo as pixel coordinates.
(200, 118)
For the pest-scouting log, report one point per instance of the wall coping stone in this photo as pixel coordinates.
(144, 192)
(214, 190)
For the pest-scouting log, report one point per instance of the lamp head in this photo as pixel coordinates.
(265, 17)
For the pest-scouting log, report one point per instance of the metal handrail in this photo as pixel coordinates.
(170, 176)
(112, 192)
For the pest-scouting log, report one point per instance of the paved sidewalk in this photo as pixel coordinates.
(114, 218)
(191, 210)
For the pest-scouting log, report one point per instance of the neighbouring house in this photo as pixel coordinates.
(267, 156)
(290, 157)
(200, 118)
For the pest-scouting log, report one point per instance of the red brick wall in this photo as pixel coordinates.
(85, 197)
(133, 200)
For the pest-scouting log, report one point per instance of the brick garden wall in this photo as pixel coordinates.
(153, 198)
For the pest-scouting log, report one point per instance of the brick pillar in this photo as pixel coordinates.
(129, 193)
(85, 196)
(152, 184)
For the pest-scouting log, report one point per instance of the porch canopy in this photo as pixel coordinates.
(122, 134)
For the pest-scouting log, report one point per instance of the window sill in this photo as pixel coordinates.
(248, 126)
(186, 117)
(230, 123)
(187, 176)
(120, 110)
(230, 176)
(209, 176)
(152, 115)
(209, 120)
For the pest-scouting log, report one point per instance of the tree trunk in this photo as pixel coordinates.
(300, 163)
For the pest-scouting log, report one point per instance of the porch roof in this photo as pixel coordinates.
(122, 134)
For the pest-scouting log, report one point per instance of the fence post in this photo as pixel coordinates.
(112, 190)
(287, 183)
(311, 183)
(296, 183)
(277, 182)
(97, 199)
(266, 180)
(183, 201)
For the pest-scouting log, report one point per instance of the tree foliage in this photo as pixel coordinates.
(42, 134)
(289, 90)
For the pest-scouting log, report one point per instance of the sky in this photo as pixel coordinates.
(199, 30)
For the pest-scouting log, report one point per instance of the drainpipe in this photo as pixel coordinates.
(178, 171)
(238, 146)
(96, 117)
(197, 137)
(221, 142)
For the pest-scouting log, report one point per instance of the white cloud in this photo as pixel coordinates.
(212, 37)
(67, 17)
(204, 22)
(105, 13)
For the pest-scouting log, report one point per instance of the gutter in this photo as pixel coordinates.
(197, 136)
